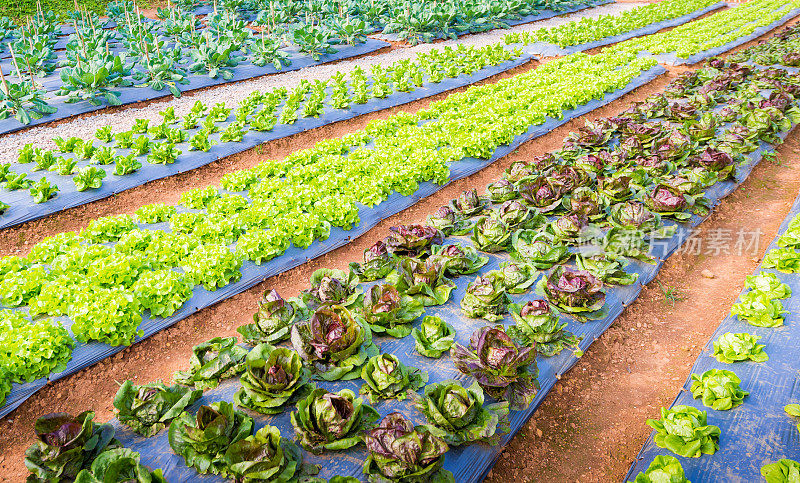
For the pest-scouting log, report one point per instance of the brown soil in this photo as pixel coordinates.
(594, 417)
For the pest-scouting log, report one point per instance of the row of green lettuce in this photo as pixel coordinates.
(105, 277)
(684, 430)
(709, 32)
(85, 163)
(611, 186)
(591, 29)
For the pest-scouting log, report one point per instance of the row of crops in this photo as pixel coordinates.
(741, 395)
(547, 258)
(98, 66)
(45, 181)
(462, 324)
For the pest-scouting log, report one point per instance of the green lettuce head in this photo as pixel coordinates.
(331, 420)
(202, 440)
(266, 456)
(486, 297)
(385, 377)
(147, 409)
(212, 361)
(387, 311)
(434, 337)
(457, 414)
(273, 321)
(273, 379)
(332, 287)
(119, 464)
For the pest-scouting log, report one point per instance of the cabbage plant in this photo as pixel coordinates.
(385, 377)
(331, 420)
(214, 360)
(274, 377)
(203, 439)
(402, 452)
(433, 337)
(502, 368)
(334, 343)
(387, 311)
(457, 414)
(147, 409)
(272, 322)
(65, 445)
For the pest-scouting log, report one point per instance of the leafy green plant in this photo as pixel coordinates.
(332, 287)
(66, 445)
(312, 40)
(576, 292)
(768, 283)
(685, 431)
(272, 322)
(266, 456)
(731, 347)
(457, 414)
(759, 309)
(162, 292)
(663, 469)
(433, 337)
(387, 311)
(89, 177)
(23, 102)
(503, 369)
(490, 234)
(42, 190)
(212, 265)
(119, 463)
(718, 388)
(331, 420)
(385, 377)
(32, 350)
(273, 379)
(203, 440)
(794, 411)
(486, 297)
(377, 263)
(93, 80)
(333, 343)
(539, 326)
(106, 315)
(155, 213)
(149, 408)
(782, 471)
(457, 259)
(216, 359)
(126, 164)
(400, 451)
(785, 260)
(423, 281)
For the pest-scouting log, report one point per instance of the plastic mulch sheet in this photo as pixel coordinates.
(468, 463)
(130, 95)
(23, 208)
(540, 15)
(546, 49)
(757, 432)
(85, 355)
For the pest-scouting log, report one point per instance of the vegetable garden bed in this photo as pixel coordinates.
(204, 136)
(713, 35)
(588, 33)
(760, 432)
(273, 251)
(674, 167)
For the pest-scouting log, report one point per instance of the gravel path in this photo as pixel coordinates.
(233, 93)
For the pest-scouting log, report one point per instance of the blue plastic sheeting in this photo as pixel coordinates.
(546, 49)
(468, 463)
(23, 208)
(757, 432)
(130, 95)
(85, 355)
(673, 59)
(540, 15)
